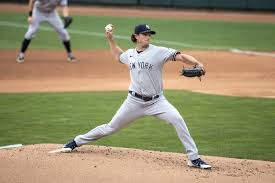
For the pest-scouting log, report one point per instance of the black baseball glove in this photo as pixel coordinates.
(193, 72)
(67, 21)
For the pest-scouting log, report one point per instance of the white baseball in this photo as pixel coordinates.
(109, 28)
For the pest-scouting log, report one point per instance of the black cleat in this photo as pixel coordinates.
(198, 163)
(71, 58)
(20, 59)
(70, 146)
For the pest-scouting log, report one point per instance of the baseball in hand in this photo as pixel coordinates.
(109, 28)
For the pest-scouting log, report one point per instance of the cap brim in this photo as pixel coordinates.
(148, 31)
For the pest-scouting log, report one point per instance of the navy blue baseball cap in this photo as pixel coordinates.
(143, 28)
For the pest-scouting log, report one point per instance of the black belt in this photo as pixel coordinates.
(144, 98)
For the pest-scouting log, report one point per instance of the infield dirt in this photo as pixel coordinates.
(48, 71)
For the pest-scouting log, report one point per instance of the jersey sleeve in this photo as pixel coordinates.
(64, 2)
(123, 58)
(168, 54)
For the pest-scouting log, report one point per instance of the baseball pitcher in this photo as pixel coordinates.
(145, 96)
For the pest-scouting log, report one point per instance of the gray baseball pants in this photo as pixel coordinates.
(52, 18)
(134, 108)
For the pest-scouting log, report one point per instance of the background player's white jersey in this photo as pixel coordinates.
(49, 5)
(146, 68)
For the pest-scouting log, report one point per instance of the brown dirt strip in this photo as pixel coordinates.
(48, 71)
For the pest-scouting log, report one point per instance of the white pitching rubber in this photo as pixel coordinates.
(62, 150)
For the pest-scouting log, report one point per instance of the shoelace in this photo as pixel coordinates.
(198, 162)
(71, 145)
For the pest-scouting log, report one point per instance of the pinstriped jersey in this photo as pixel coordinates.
(48, 6)
(146, 68)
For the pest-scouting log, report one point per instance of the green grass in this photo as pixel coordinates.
(191, 34)
(221, 126)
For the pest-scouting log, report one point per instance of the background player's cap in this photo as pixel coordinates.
(143, 28)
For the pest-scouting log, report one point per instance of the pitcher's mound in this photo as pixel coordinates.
(98, 164)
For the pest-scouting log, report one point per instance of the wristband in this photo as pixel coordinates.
(30, 13)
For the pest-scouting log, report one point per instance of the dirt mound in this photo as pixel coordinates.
(89, 163)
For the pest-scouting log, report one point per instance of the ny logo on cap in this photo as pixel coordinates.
(143, 28)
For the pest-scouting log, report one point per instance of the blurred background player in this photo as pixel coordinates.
(45, 11)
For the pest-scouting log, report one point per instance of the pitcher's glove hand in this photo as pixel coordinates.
(67, 21)
(197, 71)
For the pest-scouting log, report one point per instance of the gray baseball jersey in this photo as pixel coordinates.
(146, 68)
(146, 80)
(49, 5)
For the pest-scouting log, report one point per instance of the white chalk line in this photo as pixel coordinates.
(96, 34)
(252, 53)
(11, 146)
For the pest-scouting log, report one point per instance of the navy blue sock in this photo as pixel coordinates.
(67, 45)
(25, 45)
